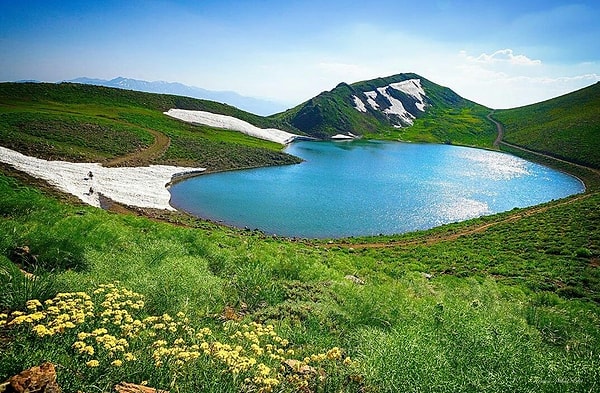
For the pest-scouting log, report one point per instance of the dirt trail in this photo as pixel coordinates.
(596, 171)
(499, 142)
(145, 156)
(499, 128)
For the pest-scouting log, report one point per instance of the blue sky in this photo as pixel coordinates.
(498, 53)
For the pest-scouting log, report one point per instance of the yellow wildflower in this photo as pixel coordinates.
(117, 363)
(88, 349)
(257, 350)
(42, 331)
(99, 332)
(263, 370)
(122, 342)
(129, 357)
(159, 343)
(33, 304)
(78, 345)
(93, 363)
(82, 336)
(334, 353)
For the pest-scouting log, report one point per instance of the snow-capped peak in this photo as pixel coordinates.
(396, 109)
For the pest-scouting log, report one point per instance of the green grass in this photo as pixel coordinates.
(69, 136)
(465, 126)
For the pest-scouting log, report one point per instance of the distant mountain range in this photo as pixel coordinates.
(249, 104)
(376, 105)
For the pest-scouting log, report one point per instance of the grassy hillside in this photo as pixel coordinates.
(519, 301)
(509, 302)
(448, 118)
(566, 127)
(84, 123)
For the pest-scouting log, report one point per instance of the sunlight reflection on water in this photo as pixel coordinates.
(368, 188)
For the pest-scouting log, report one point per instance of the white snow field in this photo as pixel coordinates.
(232, 123)
(133, 186)
(412, 87)
(359, 105)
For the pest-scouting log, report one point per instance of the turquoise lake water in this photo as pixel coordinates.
(356, 188)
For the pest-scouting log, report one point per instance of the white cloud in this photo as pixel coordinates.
(499, 81)
(503, 56)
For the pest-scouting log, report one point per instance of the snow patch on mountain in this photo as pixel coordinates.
(396, 108)
(412, 87)
(359, 105)
(371, 95)
(232, 123)
(134, 186)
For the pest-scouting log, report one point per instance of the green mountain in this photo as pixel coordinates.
(403, 106)
(566, 127)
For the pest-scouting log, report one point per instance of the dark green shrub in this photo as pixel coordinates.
(583, 252)
(16, 288)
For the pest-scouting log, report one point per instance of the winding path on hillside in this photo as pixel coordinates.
(145, 156)
(597, 171)
(499, 128)
(499, 141)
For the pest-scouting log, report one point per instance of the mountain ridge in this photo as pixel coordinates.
(250, 104)
(391, 106)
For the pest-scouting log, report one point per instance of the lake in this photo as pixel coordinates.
(356, 188)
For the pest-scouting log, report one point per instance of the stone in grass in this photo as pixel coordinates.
(126, 387)
(354, 279)
(38, 379)
(23, 257)
(299, 367)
